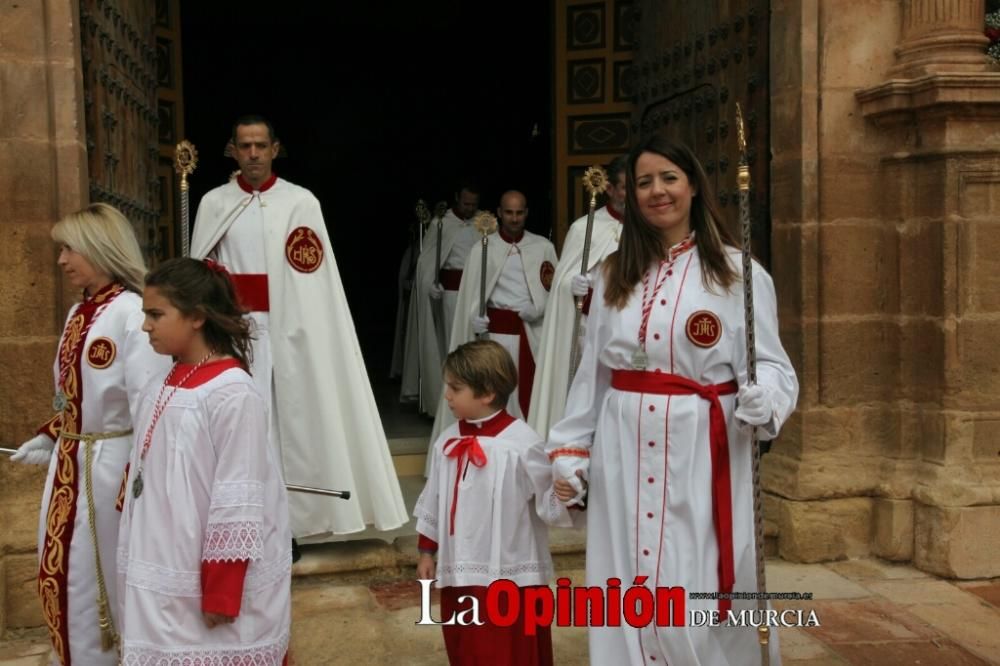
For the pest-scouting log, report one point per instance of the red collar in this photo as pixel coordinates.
(107, 292)
(681, 248)
(615, 214)
(488, 428)
(249, 189)
(511, 239)
(209, 371)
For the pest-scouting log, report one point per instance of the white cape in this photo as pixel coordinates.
(548, 395)
(426, 333)
(330, 432)
(535, 251)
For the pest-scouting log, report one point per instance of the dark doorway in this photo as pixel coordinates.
(377, 104)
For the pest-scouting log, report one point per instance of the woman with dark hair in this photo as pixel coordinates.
(656, 419)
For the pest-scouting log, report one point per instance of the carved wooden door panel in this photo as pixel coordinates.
(132, 108)
(695, 59)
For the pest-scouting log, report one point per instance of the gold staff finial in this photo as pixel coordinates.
(595, 179)
(485, 222)
(185, 161)
(743, 171)
(422, 212)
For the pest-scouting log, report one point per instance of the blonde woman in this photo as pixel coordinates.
(102, 362)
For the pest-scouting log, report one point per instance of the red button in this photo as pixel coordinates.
(652, 409)
(652, 657)
(649, 515)
(663, 301)
(670, 272)
(652, 443)
(645, 551)
(656, 336)
(650, 479)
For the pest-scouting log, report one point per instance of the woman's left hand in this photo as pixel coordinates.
(753, 405)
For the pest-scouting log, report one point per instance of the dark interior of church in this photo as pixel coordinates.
(377, 105)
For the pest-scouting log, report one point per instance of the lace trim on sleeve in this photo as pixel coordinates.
(237, 494)
(233, 540)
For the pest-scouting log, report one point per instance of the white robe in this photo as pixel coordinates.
(324, 419)
(535, 251)
(402, 307)
(500, 514)
(650, 501)
(548, 395)
(211, 492)
(109, 401)
(429, 321)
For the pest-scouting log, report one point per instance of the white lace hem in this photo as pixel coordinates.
(233, 540)
(477, 573)
(270, 653)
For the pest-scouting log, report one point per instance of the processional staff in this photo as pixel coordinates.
(595, 180)
(486, 224)
(185, 162)
(439, 212)
(743, 183)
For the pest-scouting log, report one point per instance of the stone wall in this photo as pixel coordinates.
(886, 153)
(43, 175)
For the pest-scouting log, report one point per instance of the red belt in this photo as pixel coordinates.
(661, 383)
(450, 278)
(251, 291)
(508, 322)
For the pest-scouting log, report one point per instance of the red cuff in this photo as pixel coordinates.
(51, 428)
(426, 544)
(222, 586)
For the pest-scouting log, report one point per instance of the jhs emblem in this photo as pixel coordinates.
(303, 250)
(102, 353)
(546, 273)
(704, 328)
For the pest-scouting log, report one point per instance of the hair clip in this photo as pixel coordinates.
(216, 267)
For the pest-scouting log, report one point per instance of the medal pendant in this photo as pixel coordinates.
(59, 401)
(639, 360)
(137, 485)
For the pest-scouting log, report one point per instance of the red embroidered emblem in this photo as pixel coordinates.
(703, 328)
(546, 274)
(101, 353)
(304, 250)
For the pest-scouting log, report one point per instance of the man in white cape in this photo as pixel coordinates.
(307, 364)
(433, 299)
(519, 270)
(548, 395)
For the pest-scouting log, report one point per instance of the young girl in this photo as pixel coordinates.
(488, 478)
(204, 570)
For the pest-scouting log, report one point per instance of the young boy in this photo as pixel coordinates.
(479, 512)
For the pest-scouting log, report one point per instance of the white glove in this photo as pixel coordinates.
(565, 467)
(36, 451)
(580, 285)
(531, 313)
(479, 325)
(753, 405)
(437, 291)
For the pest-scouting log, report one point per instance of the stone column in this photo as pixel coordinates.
(43, 175)
(886, 191)
(940, 104)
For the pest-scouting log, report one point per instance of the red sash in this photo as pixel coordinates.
(661, 383)
(508, 322)
(251, 291)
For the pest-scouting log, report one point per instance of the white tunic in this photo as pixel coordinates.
(532, 252)
(324, 418)
(650, 500)
(211, 492)
(548, 395)
(109, 398)
(499, 529)
(429, 322)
